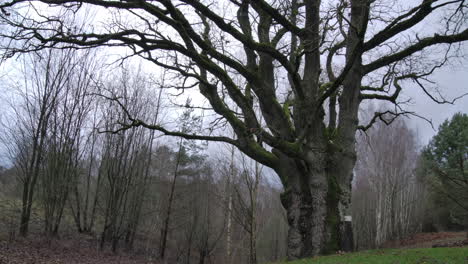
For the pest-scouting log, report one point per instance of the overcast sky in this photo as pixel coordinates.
(453, 82)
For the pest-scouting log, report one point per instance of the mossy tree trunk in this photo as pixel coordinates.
(316, 199)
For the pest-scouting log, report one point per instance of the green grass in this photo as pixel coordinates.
(394, 256)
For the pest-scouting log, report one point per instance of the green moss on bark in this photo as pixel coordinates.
(332, 243)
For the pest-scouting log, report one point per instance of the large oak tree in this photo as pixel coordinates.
(281, 61)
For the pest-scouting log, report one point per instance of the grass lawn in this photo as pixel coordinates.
(395, 256)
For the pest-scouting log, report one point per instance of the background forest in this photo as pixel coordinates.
(70, 169)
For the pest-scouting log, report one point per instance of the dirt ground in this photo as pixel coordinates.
(63, 251)
(427, 240)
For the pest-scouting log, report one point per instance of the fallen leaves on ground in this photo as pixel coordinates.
(62, 251)
(428, 240)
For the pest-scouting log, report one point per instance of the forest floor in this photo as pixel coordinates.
(428, 240)
(80, 250)
(84, 250)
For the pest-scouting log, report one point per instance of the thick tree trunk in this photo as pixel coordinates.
(311, 200)
(341, 171)
(297, 201)
(316, 204)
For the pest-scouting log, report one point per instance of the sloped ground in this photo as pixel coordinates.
(64, 251)
(427, 240)
(84, 250)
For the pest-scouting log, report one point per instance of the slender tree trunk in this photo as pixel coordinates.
(88, 188)
(89, 228)
(30, 184)
(24, 223)
(77, 215)
(378, 220)
(229, 209)
(189, 247)
(165, 229)
(253, 215)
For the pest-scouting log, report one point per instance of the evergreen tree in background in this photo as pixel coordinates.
(445, 166)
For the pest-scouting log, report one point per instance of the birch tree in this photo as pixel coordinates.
(389, 201)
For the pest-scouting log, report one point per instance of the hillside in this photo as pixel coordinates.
(84, 249)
